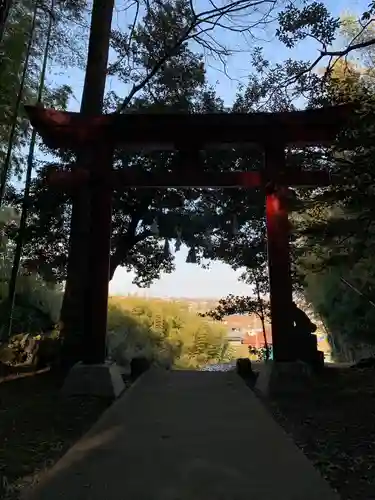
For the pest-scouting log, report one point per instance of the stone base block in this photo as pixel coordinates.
(94, 380)
(283, 377)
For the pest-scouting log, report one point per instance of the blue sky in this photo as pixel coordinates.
(189, 280)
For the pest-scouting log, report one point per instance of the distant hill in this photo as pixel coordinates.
(243, 322)
(199, 305)
(194, 304)
(246, 323)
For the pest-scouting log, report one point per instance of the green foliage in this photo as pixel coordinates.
(163, 332)
(13, 54)
(348, 317)
(336, 226)
(231, 305)
(352, 28)
(37, 305)
(14, 46)
(312, 20)
(239, 305)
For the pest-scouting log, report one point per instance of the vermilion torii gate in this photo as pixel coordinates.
(97, 137)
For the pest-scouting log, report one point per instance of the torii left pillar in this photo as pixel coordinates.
(93, 376)
(96, 295)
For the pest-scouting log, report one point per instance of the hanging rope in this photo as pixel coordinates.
(178, 243)
(207, 240)
(191, 256)
(26, 197)
(154, 227)
(6, 167)
(166, 249)
(235, 227)
(358, 292)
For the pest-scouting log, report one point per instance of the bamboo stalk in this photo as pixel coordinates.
(26, 198)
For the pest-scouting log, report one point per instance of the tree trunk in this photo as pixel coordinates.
(118, 256)
(127, 242)
(262, 318)
(72, 313)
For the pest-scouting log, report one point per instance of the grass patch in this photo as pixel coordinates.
(37, 426)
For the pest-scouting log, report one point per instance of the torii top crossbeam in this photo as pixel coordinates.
(170, 131)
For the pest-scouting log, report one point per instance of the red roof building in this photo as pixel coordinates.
(256, 338)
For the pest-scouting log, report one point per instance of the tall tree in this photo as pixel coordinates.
(39, 42)
(337, 229)
(203, 26)
(73, 310)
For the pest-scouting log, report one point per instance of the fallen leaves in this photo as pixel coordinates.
(37, 426)
(334, 425)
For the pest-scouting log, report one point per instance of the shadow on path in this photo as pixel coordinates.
(184, 435)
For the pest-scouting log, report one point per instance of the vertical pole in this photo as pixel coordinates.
(278, 255)
(96, 294)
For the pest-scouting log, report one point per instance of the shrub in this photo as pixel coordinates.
(37, 304)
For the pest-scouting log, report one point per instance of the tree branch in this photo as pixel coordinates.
(332, 54)
(139, 86)
(127, 240)
(350, 48)
(212, 17)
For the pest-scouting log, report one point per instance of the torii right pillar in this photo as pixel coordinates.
(278, 251)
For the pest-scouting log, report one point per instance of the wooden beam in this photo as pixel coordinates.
(124, 179)
(141, 131)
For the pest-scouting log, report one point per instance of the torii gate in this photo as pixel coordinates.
(189, 133)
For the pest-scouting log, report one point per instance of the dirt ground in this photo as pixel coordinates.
(334, 425)
(37, 426)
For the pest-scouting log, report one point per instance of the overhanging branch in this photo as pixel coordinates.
(212, 18)
(333, 55)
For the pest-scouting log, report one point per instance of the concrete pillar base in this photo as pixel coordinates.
(102, 380)
(276, 377)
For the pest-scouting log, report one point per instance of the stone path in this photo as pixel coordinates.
(185, 436)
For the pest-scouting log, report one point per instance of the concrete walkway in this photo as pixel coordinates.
(185, 436)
